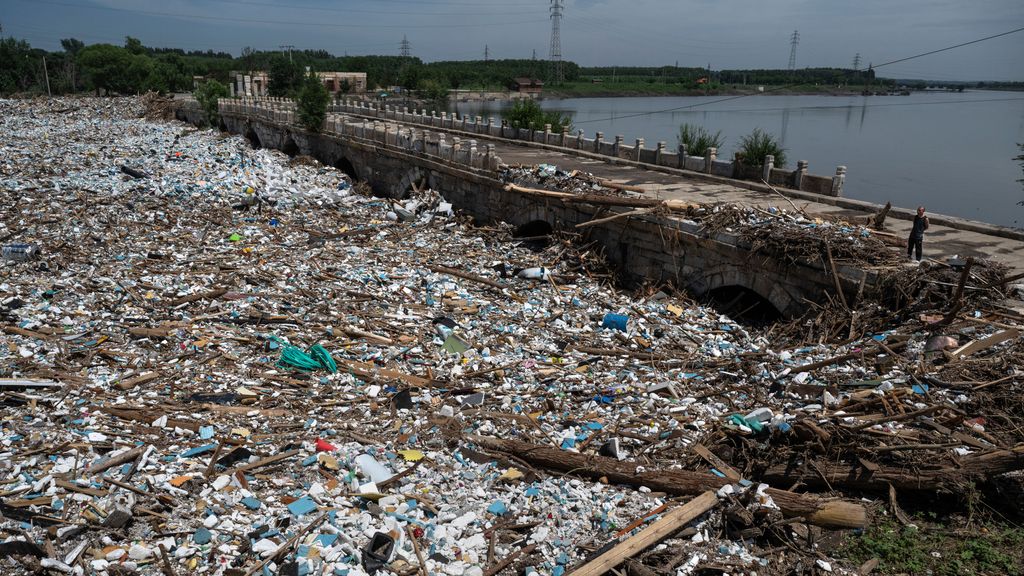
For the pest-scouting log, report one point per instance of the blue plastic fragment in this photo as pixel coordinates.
(202, 536)
(303, 505)
(498, 508)
(206, 432)
(199, 450)
(326, 540)
(251, 503)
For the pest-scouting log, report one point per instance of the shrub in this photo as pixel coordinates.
(207, 95)
(698, 139)
(312, 105)
(525, 112)
(758, 144)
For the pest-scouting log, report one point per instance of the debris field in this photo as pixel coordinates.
(220, 360)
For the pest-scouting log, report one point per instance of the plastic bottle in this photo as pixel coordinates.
(369, 466)
(20, 252)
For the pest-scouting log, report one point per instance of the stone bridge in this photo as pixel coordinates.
(391, 157)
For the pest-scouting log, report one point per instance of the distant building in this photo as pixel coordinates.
(258, 83)
(531, 86)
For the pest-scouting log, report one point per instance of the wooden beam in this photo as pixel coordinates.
(656, 532)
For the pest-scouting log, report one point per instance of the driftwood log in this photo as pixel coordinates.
(835, 513)
(977, 469)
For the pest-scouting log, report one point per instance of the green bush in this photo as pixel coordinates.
(207, 94)
(525, 112)
(312, 104)
(698, 139)
(758, 144)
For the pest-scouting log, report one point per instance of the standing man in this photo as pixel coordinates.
(917, 234)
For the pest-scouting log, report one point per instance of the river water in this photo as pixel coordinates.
(952, 152)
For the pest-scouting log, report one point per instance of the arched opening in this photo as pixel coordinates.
(223, 126)
(535, 234)
(254, 139)
(345, 166)
(290, 148)
(743, 305)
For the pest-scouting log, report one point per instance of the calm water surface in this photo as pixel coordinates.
(952, 152)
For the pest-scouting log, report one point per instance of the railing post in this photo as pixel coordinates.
(565, 136)
(579, 140)
(659, 153)
(618, 145)
(798, 176)
(838, 180)
(598, 138)
(637, 148)
(766, 169)
(547, 133)
(709, 159)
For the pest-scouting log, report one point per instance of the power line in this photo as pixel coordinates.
(556, 39)
(788, 86)
(793, 41)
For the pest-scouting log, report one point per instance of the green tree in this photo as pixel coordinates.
(312, 105)
(285, 77)
(16, 66)
(410, 76)
(104, 65)
(134, 45)
(698, 139)
(207, 95)
(758, 144)
(526, 112)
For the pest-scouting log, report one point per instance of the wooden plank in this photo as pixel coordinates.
(985, 343)
(133, 382)
(717, 462)
(267, 461)
(657, 531)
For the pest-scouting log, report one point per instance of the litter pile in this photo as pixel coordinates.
(219, 361)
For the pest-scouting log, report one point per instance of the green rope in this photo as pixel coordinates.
(317, 358)
(321, 355)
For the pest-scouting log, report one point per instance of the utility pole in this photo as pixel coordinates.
(406, 47)
(556, 39)
(793, 41)
(289, 48)
(856, 61)
(46, 73)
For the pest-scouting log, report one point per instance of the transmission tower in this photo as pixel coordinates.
(556, 39)
(793, 41)
(487, 53)
(856, 61)
(289, 48)
(406, 48)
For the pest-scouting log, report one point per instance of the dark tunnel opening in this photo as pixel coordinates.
(290, 148)
(253, 139)
(743, 305)
(346, 166)
(535, 234)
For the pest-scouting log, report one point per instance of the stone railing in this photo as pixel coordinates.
(282, 110)
(660, 155)
(468, 153)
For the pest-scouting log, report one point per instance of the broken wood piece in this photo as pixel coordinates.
(353, 332)
(377, 374)
(510, 559)
(877, 221)
(605, 220)
(466, 276)
(657, 531)
(140, 379)
(209, 295)
(822, 512)
(133, 172)
(976, 346)
(268, 460)
(118, 459)
(620, 186)
(157, 333)
(12, 383)
(717, 462)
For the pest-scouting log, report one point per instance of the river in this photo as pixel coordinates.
(952, 152)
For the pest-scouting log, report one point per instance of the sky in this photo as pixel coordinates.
(723, 33)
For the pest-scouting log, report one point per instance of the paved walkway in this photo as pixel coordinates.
(941, 242)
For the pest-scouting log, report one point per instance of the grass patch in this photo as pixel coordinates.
(903, 550)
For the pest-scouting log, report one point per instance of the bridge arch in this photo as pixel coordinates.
(253, 138)
(737, 280)
(346, 166)
(416, 176)
(289, 147)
